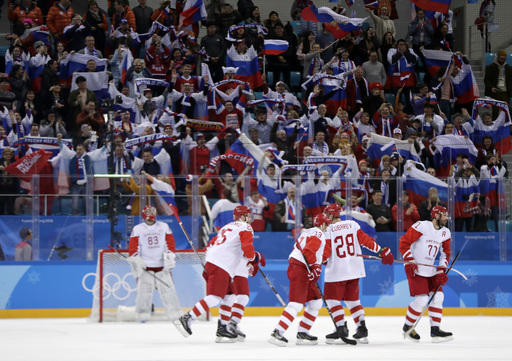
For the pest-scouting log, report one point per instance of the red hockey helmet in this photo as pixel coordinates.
(320, 219)
(438, 210)
(149, 213)
(242, 211)
(333, 209)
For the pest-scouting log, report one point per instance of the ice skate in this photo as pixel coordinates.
(334, 338)
(304, 338)
(183, 324)
(224, 335)
(361, 336)
(277, 339)
(439, 335)
(233, 328)
(411, 334)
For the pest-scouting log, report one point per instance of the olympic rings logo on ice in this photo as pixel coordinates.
(113, 285)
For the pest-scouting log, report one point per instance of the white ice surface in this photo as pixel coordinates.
(475, 338)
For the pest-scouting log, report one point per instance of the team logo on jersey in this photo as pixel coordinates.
(444, 233)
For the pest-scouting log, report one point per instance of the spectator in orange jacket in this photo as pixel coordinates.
(26, 10)
(59, 16)
(123, 12)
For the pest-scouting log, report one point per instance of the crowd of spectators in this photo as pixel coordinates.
(362, 93)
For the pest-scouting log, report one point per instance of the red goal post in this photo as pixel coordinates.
(115, 287)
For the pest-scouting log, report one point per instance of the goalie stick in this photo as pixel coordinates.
(433, 295)
(145, 270)
(342, 337)
(419, 264)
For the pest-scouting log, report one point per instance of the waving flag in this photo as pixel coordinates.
(127, 104)
(165, 194)
(499, 130)
(436, 59)
(434, 5)
(326, 15)
(379, 146)
(371, 4)
(417, 183)
(78, 62)
(464, 188)
(247, 64)
(349, 2)
(193, 12)
(25, 167)
(275, 47)
(447, 148)
(465, 87)
(125, 65)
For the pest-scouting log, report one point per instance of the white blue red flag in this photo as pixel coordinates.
(275, 47)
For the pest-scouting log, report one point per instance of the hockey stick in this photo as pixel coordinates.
(419, 264)
(433, 295)
(343, 338)
(175, 214)
(273, 289)
(152, 274)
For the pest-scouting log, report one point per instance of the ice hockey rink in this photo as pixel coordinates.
(58, 339)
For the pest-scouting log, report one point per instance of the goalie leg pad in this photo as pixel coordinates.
(143, 301)
(168, 295)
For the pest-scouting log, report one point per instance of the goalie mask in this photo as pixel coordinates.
(242, 211)
(149, 213)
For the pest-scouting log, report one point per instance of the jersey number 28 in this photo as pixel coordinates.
(344, 247)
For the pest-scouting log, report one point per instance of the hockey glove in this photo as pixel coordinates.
(255, 262)
(411, 269)
(440, 278)
(137, 265)
(169, 261)
(386, 255)
(314, 273)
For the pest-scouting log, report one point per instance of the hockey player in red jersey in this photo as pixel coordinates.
(343, 271)
(151, 250)
(303, 284)
(233, 243)
(421, 244)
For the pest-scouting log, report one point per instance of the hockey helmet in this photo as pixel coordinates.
(149, 213)
(438, 210)
(333, 209)
(320, 219)
(242, 211)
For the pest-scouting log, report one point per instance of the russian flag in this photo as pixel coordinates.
(247, 64)
(96, 82)
(125, 65)
(417, 183)
(275, 47)
(78, 62)
(465, 88)
(43, 34)
(379, 146)
(441, 6)
(193, 12)
(436, 59)
(127, 104)
(364, 220)
(499, 130)
(371, 4)
(222, 213)
(447, 148)
(326, 15)
(165, 194)
(349, 2)
(463, 189)
(310, 198)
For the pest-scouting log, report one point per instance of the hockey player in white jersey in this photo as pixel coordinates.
(421, 244)
(343, 271)
(152, 257)
(303, 287)
(227, 249)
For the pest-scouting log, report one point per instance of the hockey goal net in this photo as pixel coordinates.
(115, 287)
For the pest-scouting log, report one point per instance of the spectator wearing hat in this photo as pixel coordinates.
(78, 99)
(373, 69)
(410, 214)
(375, 99)
(23, 250)
(59, 16)
(26, 10)
(397, 133)
(123, 11)
(498, 78)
